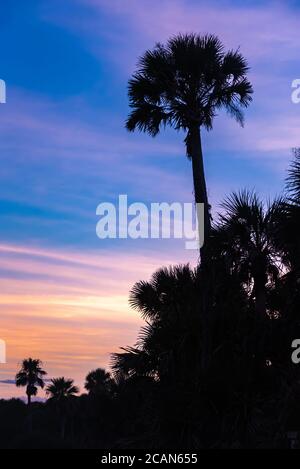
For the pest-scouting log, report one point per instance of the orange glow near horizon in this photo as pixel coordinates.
(70, 310)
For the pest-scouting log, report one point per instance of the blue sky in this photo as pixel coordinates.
(64, 146)
(64, 149)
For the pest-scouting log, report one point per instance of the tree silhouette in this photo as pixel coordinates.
(248, 229)
(61, 388)
(61, 392)
(98, 382)
(31, 375)
(184, 83)
(166, 345)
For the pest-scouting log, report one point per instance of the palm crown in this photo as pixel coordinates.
(168, 303)
(61, 388)
(247, 235)
(31, 375)
(185, 82)
(98, 381)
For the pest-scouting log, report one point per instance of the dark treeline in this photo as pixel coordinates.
(212, 367)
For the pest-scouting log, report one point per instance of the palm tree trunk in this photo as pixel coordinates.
(194, 150)
(63, 428)
(260, 300)
(260, 315)
(29, 411)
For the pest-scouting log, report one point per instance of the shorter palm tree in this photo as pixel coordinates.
(61, 388)
(98, 382)
(61, 391)
(31, 375)
(249, 230)
(168, 344)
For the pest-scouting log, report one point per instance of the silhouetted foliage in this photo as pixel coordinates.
(31, 375)
(98, 382)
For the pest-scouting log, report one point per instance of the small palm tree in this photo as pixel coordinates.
(98, 382)
(170, 341)
(164, 363)
(31, 375)
(61, 392)
(249, 232)
(61, 388)
(184, 84)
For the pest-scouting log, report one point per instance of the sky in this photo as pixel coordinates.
(64, 150)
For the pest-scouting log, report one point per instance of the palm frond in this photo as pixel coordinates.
(293, 178)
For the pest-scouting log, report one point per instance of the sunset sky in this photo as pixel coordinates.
(64, 149)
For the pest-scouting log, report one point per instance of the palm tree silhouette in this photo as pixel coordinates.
(98, 382)
(168, 343)
(183, 84)
(31, 375)
(61, 392)
(249, 231)
(61, 388)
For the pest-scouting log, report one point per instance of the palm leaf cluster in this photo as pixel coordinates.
(186, 82)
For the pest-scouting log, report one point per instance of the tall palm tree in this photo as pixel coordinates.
(31, 375)
(184, 83)
(98, 382)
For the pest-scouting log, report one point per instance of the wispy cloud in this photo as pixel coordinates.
(255, 26)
